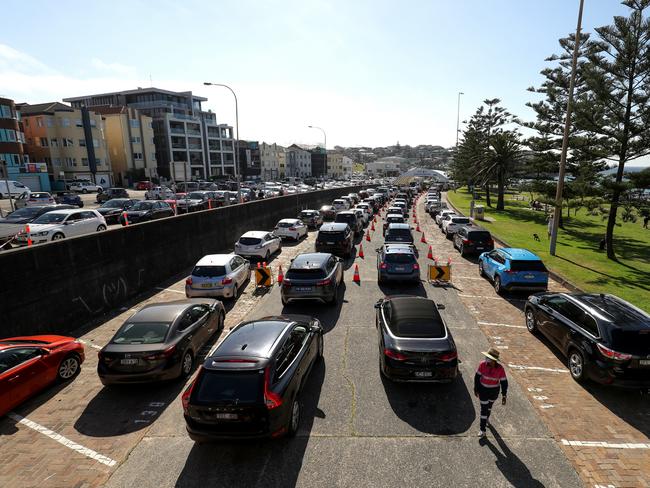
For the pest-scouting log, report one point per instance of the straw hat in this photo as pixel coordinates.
(492, 353)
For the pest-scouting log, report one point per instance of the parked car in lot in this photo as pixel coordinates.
(158, 193)
(604, 338)
(398, 234)
(471, 240)
(311, 218)
(397, 262)
(145, 211)
(112, 209)
(393, 218)
(218, 275)
(85, 187)
(258, 244)
(313, 276)
(29, 364)
(111, 193)
(185, 204)
(251, 385)
(414, 341)
(68, 198)
(59, 224)
(328, 213)
(336, 238)
(35, 198)
(160, 341)
(14, 223)
(340, 204)
(143, 185)
(290, 229)
(449, 227)
(513, 269)
(350, 217)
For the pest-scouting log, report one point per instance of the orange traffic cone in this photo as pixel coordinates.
(430, 255)
(356, 278)
(374, 219)
(372, 227)
(423, 239)
(280, 275)
(361, 255)
(417, 228)
(259, 265)
(368, 236)
(126, 219)
(29, 236)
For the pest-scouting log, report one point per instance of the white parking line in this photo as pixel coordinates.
(538, 368)
(86, 343)
(170, 289)
(63, 440)
(496, 324)
(492, 298)
(607, 445)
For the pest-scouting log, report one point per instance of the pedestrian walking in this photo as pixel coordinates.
(549, 225)
(645, 221)
(490, 378)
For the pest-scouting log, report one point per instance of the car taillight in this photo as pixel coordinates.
(292, 228)
(226, 281)
(397, 356)
(611, 354)
(286, 282)
(416, 266)
(162, 354)
(271, 399)
(324, 282)
(383, 266)
(466, 241)
(251, 361)
(490, 242)
(185, 399)
(448, 356)
(510, 271)
(188, 281)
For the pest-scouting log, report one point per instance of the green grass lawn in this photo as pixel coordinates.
(578, 258)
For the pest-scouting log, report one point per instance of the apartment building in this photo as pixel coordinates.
(183, 131)
(298, 162)
(131, 145)
(249, 159)
(272, 162)
(70, 143)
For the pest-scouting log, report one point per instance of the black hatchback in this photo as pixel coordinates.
(603, 337)
(473, 240)
(250, 386)
(335, 238)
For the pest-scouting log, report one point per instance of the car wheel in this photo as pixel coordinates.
(497, 285)
(101, 227)
(576, 364)
(267, 258)
(294, 419)
(461, 249)
(321, 347)
(186, 364)
(222, 321)
(531, 322)
(69, 368)
(285, 302)
(481, 271)
(84, 191)
(57, 236)
(235, 292)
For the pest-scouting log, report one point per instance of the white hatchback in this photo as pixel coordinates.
(218, 275)
(339, 205)
(258, 244)
(291, 229)
(59, 224)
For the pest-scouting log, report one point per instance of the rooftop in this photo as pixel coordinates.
(138, 90)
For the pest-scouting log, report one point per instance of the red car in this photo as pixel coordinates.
(29, 364)
(144, 185)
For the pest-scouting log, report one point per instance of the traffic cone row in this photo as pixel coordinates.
(356, 278)
(423, 239)
(361, 255)
(430, 255)
(126, 218)
(280, 275)
(29, 236)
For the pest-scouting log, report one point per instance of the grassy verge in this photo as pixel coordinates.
(578, 258)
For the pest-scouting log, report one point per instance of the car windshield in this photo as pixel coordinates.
(286, 224)
(249, 241)
(142, 206)
(24, 212)
(141, 333)
(114, 204)
(209, 271)
(527, 265)
(395, 258)
(51, 218)
(228, 386)
(331, 236)
(426, 327)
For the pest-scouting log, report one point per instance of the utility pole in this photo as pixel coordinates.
(565, 140)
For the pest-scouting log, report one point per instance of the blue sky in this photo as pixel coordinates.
(368, 72)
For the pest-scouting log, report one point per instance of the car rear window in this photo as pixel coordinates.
(460, 220)
(229, 386)
(527, 265)
(479, 236)
(141, 333)
(330, 236)
(346, 218)
(308, 214)
(395, 220)
(428, 328)
(630, 341)
(209, 271)
(249, 241)
(399, 234)
(305, 274)
(285, 224)
(395, 258)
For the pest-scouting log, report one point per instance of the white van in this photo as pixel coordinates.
(15, 187)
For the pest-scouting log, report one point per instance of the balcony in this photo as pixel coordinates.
(193, 132)
(180, 116)
(178, 145)
(177, 130)
(195, 147)
(160, 103)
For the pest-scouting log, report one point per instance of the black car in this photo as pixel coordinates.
(69, 198)
(313, 276)
(473, 240)
(160, 341)
(350, 217)
(111, 193)
(112, 209)
(336, 238)
(250, 386)
(603, 337)
(414, 341)
(146, 210)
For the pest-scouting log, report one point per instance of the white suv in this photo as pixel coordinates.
(451, 226)
(218, 275)
(339, 205)
(259, 244)
(59, 224)
(290, 228)
(85, 187)
(443, 214)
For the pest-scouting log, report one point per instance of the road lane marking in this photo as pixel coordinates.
(86, 343)
(607, 445)
(537, 368)
(169, 289)
(62, 440)
(496, 324)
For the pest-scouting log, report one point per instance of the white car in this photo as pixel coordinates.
(339, 205)
(258, 244)
(362, 215)
(85, 187)
(366, 207)
(442, 214)
(59, 224)
(290, 228)
(451, 226)
(31, 199)
(159, 193)
(218, 275)
(447, 217)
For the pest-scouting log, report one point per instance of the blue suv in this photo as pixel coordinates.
(513, 269)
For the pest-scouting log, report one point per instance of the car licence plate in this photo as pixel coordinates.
(423, 374)
(304, 288)
(128, 361)
(644, 362)
(400, 268)
(329, 243)
(529, 276)
(226, 416)
(206, 285)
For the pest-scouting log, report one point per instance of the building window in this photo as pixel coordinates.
(43, 141)
(153, 141)
(54, 142)
(84, 161)
(136, 139)
(93, 123)
(98, 161)
(67, 142)
(39, 121)
(70, 162)
(56, 161)
(134, 123)
(137, 156)
(82, 142)
(78, 123)
(49, 121)
(65, 122)
(95, 143)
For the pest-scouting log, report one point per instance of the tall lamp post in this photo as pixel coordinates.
(207, 83)
(325, 143)
(458, 119)
(565, 139)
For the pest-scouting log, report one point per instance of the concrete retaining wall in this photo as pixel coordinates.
(59, 286)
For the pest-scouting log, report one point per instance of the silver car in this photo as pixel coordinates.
(218, 275)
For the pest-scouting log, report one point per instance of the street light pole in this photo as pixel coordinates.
(325, 143)
(565, 140)
(207, 83)
(458, 119)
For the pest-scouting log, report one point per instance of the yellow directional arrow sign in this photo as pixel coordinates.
(439, 272)
(263, 276)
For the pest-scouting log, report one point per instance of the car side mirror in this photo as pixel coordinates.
(440, 306)
(378, 304)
